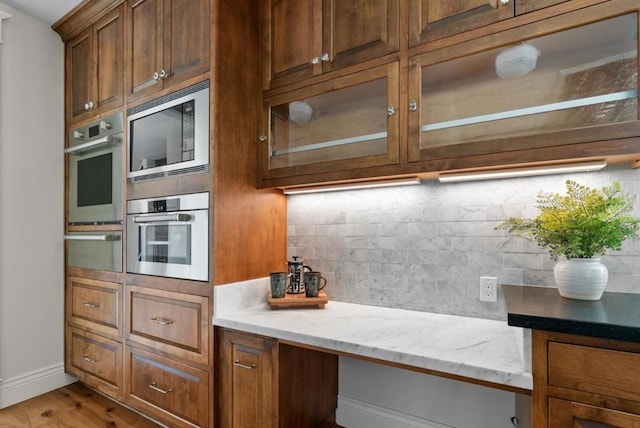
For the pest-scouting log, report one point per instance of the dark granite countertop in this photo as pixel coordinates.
(615, 316)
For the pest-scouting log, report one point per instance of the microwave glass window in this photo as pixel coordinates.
(95, 180)
(163, 138)
(165, 243)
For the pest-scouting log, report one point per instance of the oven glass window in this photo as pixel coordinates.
(163, 243)
(163, 138)
(95, 180)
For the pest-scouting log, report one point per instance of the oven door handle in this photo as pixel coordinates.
(161, 218)
(96, 237)
(112, 140)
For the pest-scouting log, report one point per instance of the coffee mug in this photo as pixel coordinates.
(313, 283)
(278, 284)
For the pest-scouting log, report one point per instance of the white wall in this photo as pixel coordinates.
(31, 209)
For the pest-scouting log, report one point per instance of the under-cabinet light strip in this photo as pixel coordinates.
(353, 186)
(546, 108)
(333, 143)
(522, 172)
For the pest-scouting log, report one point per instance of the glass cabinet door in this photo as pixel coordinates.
(346, 123)
(572, 86)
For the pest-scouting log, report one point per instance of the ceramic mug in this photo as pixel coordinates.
(279, 283)
(313, 283)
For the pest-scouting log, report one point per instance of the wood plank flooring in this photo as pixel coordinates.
(73, 406)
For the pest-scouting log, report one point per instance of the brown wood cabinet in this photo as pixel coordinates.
(174, 323)
(346, 123)
(94, 67)
(584, 382)
(94, 305)
(306, 38)
(95, 360)
(576, 102)
(174, 393)
(265, 383)
(167, 43)
(431, 20)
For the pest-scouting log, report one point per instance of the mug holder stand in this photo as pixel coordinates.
(298, 301)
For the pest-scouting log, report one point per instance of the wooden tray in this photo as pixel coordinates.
(298, 301)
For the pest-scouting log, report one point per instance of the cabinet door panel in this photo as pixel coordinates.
(292, 31)
(109, 59)
(431, 20)
(79, 71)
(145, 41)
(358, 30)
(249, 375)
(564, 413)
(574, 89)
(186, 38)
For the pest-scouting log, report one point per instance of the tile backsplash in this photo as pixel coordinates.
(425, 247)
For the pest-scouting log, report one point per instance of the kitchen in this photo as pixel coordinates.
(456, 242)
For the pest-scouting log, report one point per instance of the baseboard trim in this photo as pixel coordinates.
(32, 384)
(354, 413)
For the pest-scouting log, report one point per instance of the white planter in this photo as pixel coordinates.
(582, 279)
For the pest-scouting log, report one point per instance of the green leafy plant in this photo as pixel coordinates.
(583, 223)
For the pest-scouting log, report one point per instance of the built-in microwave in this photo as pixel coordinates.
(95, 172)
(169, 135)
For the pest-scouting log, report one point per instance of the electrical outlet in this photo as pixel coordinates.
(488, 289)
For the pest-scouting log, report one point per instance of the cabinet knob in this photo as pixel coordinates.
(325, 57)
(315, 60)
(505, 2)
(413, 106)
(88, 105)
(391, 110)
(263, 137)
(163, 74)
(156, 76)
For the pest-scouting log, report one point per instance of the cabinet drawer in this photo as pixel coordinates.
(94, 304)
(594, 370)
(172, 322)
(563, 413)
(95, 360)
(177, 388)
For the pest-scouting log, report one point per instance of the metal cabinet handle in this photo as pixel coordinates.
(263, 137)
(80, 149)
(161, 321)
(156, 76)
(325, 57)
(88, 105)
(89, 359)
(315, 60)
(91, 305)
(505, 2)
(161, 218)
(413, 106)
(391, 110)
(155, 387)
(105, 237)
(237, 363)
(163, 74)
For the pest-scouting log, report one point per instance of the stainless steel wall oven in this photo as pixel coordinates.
(95, 172)
(169, 236)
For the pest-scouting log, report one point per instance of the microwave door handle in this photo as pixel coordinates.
(93, 145)
(97, 237)
(161, 218)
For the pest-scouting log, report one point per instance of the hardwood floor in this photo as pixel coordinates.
(73, 406)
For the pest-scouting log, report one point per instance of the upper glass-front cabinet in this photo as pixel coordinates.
(572, 86)
(347, 123)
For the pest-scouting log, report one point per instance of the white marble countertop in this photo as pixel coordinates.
(480, 349)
